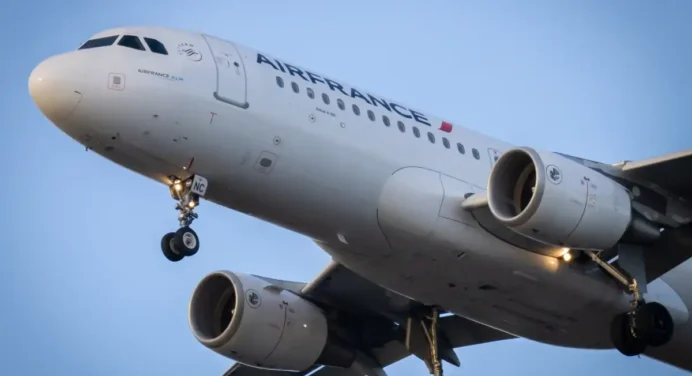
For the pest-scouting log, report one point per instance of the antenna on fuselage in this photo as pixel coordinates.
(189, 165)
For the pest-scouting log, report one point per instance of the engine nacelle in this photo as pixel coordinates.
(253, 322)
(557, 201)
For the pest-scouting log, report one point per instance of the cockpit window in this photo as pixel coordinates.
(132, 42)
(156, 46)
(99, 42)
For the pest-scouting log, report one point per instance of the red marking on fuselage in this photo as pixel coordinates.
(446, 127)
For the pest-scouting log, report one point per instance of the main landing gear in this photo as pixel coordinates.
(435, 367)
(645, 324)
(430, 330)
(184, 242)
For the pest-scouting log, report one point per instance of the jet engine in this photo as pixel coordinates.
(552, 199)
(254, 322)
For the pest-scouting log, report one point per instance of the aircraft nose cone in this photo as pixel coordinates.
(53, 89)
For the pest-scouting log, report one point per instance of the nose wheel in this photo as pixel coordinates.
(179, 244)
(184, 242)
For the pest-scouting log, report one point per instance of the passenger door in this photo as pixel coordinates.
(230, 72)
(494, 155)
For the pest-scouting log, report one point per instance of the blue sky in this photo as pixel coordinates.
(84, 287)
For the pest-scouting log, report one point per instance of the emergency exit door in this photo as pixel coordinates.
(231, 81)
(494, 155)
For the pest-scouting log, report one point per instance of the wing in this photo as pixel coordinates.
(376, 319)
(670, 172)
(674, 248)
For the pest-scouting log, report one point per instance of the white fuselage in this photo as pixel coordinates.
(304, 163)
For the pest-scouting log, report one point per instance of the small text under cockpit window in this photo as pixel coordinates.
(99, 42)
(156, 46)
(131, 41)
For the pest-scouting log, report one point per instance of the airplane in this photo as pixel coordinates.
(440, 237)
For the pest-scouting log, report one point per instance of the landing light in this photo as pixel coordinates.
(567, 256)
(191, 204)
(178, 187)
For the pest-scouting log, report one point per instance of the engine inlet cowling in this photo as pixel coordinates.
(212, 309)
(251, 321)
(555, 200)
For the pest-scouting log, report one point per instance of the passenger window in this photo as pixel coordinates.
(295, 87)
(385, 120)
(156, 46)
(445, 142)
(325, 98)
(401, 125)
(416, 132)
(99, 42)
(356, 110)
(341, 104)
(431, 137)
(476, 154)
(311, 93)
(279, 81)
(131, 41)
(371, 115)
(461, 149)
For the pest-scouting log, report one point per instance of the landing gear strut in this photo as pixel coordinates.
(184, 242)
(431, 335)
(645, 324)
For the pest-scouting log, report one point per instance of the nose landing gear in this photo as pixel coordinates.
(184, 242)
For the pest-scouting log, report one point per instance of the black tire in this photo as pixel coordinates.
(186, 241)
(622, 337)
(167, 248)
(655, 324)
